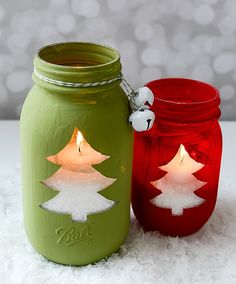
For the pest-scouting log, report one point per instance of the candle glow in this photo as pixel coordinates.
(79, 140)
(182, 162)
(182, 154)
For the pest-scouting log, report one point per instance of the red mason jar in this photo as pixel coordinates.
(176, 164)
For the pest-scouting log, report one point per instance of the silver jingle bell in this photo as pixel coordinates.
(142, 120)
(141, 97)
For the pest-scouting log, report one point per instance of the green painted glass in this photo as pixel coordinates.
(49, 117)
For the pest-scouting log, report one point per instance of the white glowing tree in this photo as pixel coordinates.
(77, 181)
(179, 184)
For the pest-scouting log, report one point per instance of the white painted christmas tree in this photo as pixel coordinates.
(77, 181)
(179, 184)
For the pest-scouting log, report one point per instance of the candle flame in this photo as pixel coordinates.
(183, 154)
(79, 139)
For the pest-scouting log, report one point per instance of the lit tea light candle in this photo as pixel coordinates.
(179, 184)
(79, 140)
(182, 162)
(77, 153)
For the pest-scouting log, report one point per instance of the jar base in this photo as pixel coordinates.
(173, 226)
(173, 234)
(72, 255)
(77, 262)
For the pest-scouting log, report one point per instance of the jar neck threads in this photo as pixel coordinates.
(77, 63)
(184, 101)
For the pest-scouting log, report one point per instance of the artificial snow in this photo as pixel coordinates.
(209, 256)
(78, 194)
(177, 192)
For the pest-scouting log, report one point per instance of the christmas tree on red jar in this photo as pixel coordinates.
(179, 184)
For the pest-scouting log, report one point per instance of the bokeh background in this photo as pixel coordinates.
(156, 38)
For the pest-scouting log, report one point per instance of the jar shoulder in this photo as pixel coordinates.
(42, 102)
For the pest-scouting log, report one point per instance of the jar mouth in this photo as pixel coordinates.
(68, 63)
(77, 55)
(181, 100)
(183, 91)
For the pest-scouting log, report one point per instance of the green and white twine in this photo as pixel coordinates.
(130, 92)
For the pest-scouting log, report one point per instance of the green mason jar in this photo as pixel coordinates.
(76, 148)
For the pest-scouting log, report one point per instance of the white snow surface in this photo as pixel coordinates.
(209, 256)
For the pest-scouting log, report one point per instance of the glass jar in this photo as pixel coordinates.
(76, 148)
(176, 164)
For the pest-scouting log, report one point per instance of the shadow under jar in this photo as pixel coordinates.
(76, 150)
(176, 164)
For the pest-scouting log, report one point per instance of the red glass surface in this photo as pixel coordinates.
(187, 113)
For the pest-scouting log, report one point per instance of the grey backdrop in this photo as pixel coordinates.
(156, 38)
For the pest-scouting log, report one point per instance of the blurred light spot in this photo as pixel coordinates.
(6, 63)
(229, 41)
(204, 14)
(48, 34)
(175, 66)
(227, 24)
(146, 13)
(58, 2)
(143, 32)
(203, 72)
(158, 31)
(22, 60)
(18, 81)
(224, 62)
(2, 13)
(65, 23)
(186, 10)
(151, 56)
(128, 49)
(18, 42)
(86, 8)
(230, 7)
(214, 45)
(168, 6)
(188, 54)
(211, 2)
(227, 92)
(200, 42)
(179, 40)
(29, 22)
(150, 73)
(97, 27)
(116, 5)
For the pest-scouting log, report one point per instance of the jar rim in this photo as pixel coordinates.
(179, 81)
(38, 55)
(71, 63)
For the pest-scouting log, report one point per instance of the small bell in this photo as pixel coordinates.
(141, 97)
(142, 120)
